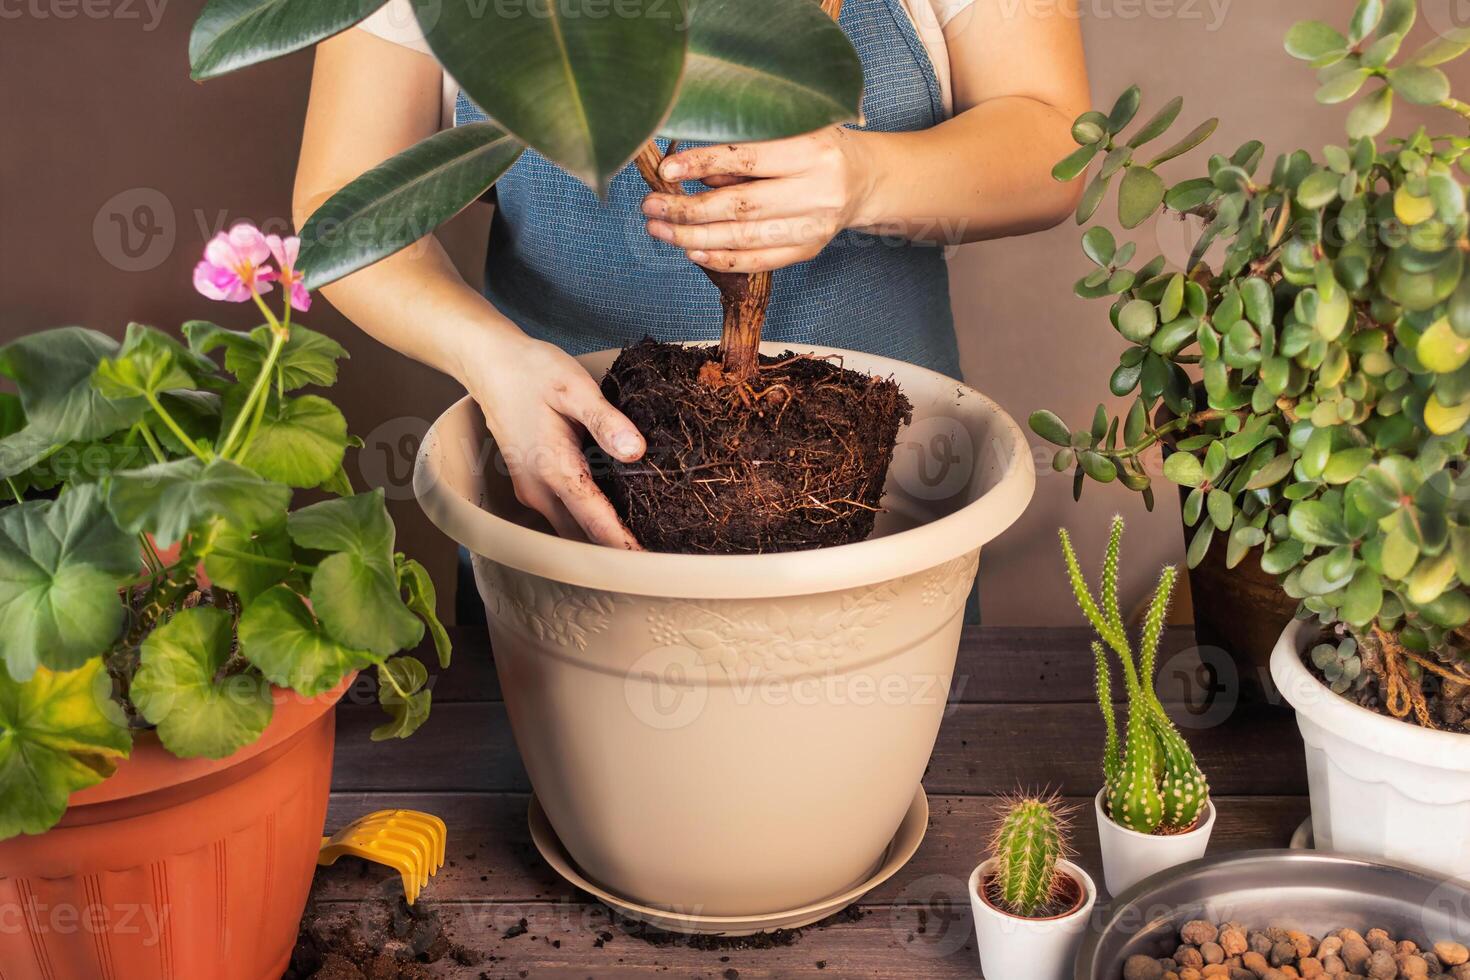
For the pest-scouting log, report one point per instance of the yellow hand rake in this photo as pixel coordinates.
(409, 842)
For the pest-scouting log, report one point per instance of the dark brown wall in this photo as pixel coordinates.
(114, 170)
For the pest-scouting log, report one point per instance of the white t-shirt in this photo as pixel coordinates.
(395, 22)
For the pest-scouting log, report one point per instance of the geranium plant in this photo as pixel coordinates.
(153, 571)
(1309, 367)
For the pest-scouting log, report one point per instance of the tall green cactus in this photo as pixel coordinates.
(1153, 784)
(1028, 843)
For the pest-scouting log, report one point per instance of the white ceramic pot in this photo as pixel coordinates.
(733, 735)
(1015, 948)
(1380, 787)
(1129, 857)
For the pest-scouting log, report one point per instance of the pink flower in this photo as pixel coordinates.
(286, 252)
(234, 265)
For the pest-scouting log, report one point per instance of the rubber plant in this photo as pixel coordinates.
(586, 87)
(1028, 844)
(1309, 368)
(155, 571)
(1153, 785)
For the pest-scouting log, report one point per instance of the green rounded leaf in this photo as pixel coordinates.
(278, 635)
(403, 199)
(1311, 39)
(300, 442)
(1124, 109)
(1184, 469)
(52, 371)
(1139, 195)
(1160, 122)
(1370, 116)
(1050, 427)
(181, 687)
(1137, 320)
(61, 563)
(763, 69)
(401, 693)
(1420, 84)
(1192, 139)
(231, 34)
(59, 733)
(168, 500)
(1316, 522)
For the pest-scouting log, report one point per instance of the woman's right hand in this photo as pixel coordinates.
(537, 401)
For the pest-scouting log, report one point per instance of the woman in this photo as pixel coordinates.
(967, 105)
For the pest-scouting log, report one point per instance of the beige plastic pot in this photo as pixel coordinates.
(735, 735)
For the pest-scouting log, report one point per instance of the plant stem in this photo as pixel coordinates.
(150, 555)
(14, 491)
(173, 427)
(261, 559)
(1456, 106)
(152, 441)
(257, 390)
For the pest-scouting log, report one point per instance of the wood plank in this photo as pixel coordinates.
(577, 940)
(994, 665)
(491, 857)
(981, 749)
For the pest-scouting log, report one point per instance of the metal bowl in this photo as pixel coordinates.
(1311, 891)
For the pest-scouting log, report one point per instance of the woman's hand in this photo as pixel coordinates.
(774, 203)
(537, 401)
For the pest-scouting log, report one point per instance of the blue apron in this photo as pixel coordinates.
(584, 274)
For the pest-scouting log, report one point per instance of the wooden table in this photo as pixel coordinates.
(1022, 714)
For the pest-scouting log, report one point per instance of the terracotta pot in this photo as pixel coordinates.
(1012, 946)
(1381, 788)
(736, 735)
(176, 868)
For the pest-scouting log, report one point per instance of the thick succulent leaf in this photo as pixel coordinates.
(244, 577)
(61, 563)
(232, 34)
(178, 687)
(415, 583)
(52, 371)
(1139, 196)
(406, 197)
(278, 635)
(149, 362)
(168, 500)
(300, 441)
(354, 590)
(583, 88)
(59, 733)
(763, 69)
(307, 358)
(403, 696)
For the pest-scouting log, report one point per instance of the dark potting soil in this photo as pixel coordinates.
(385, 942)
(1448, 714)
(1066, 896)
(761, 940)
(791, 460)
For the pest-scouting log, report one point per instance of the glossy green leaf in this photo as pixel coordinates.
(242, 575)
(61, 563)
(1051, 428)
(422, 600)
(1184, 469)
(583, 88)
(279, 636)
(1137, 320)
(52, 371)
(406, 197)
(148, 363)
(763, 69)
(1139, 195)
(355, 590)
(1099, 245)
(1371, 114)
(1073, 164)
(1316, 522)
(308, 357)
(1091, 197)
(1311, 39)
(182, 688)
(59, 733)
(1192, 139)
(168, 500)
(1124, 109)
(1160, 122)
(231, 34)
(1420, 84)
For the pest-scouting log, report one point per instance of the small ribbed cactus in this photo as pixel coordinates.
(1153, 783)
(1028, 843)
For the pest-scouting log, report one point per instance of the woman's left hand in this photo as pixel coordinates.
(774, 203)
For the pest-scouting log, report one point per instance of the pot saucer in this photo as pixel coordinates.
(1301, 838)
(905, 842)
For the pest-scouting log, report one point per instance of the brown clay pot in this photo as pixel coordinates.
(1240, 610)
(176, 868)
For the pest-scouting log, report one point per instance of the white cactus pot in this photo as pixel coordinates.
(1129, 857)
(736, 735)
(1380, 787)
(1016, 948)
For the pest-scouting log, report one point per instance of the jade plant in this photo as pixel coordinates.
(1029, 843)
(1308, 369)
(158, 569)
(587, 87)
(1152, 783)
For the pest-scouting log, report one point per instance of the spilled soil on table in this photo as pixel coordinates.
(387, 941)
(794, 458)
